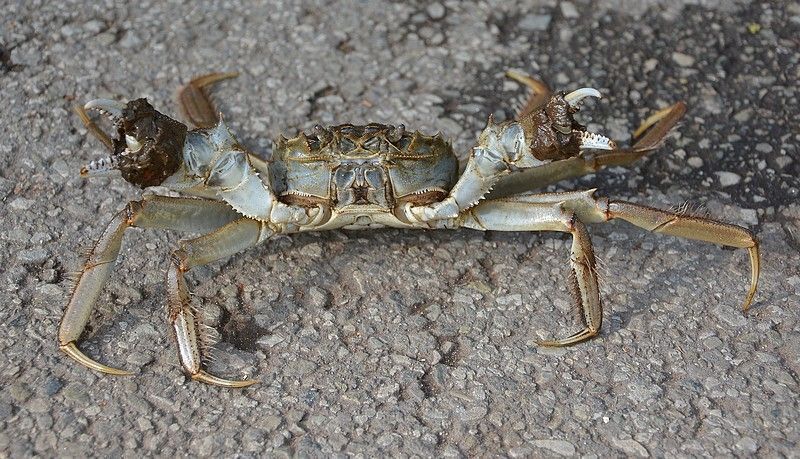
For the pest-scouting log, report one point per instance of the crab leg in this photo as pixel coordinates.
(184, 214)
(184, 318)
(591, 209)
(535, 212)
(659, 125)
(92, 127)
(522, 216)
(195, 103)
(539, 92)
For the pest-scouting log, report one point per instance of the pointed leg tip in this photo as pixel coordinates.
(72, 350)
(207, 378)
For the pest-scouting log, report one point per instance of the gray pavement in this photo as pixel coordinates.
(411, 343)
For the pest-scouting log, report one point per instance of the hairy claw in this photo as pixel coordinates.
(71, 350)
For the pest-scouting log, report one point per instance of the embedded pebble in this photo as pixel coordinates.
(695, 161)
(535, 22)
(561, 447)
(684, 60)
(728, 178)
(436, 11)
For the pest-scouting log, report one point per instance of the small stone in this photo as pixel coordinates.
(75, 392)
(712, 342)
(18, 392)
(40, 237)
(93, 26)
(684, 60)
(316, 298)
(568, 10)
(436, 11)
(743, 116)
(695, 161)
(728, 178)
(764, 147)
(53, 386)
(22, 204)
(750, 216)
(535, 22)
(130, 40)
(747, 444)
(49, 290)
(734, 319)
(33, 256)
(561, 447)
(783, 161)
(631, 447)
(650, 65)
(313, 250)
(270, 340)
(38, 405)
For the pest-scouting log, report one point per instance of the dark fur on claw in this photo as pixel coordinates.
(162, 140)
(552, 130)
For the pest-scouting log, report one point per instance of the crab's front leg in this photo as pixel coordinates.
(507, 148)
(649, 136)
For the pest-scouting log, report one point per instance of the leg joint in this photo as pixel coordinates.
(179, 258)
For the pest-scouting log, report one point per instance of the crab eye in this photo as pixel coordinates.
(133, 144)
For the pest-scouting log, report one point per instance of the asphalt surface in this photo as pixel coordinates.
(411, 343)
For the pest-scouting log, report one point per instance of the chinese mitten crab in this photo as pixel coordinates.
(362, 177)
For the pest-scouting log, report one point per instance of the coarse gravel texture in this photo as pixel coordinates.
(411, 343)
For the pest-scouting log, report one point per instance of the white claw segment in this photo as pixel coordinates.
(100, 167)
(110, 107)
(592, 141)
(574, 98)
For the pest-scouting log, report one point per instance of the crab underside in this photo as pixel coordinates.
(360, 177)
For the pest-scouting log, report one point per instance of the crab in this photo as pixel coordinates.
(360, 177)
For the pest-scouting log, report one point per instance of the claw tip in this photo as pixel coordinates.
(71, 350)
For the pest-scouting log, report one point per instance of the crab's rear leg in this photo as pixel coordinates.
(197, 107)
(92, 127)
(521, 216)
(539, 92)
(592, 209)
(195, 102)
(228, 240)
(183, 214)
(655, 129)
(561, 211)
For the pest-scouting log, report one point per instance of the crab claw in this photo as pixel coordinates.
(592, 141)
(71, 350)
(104, 166)
(574, 98)
(109, 107)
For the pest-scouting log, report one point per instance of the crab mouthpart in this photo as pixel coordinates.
(133, 144)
